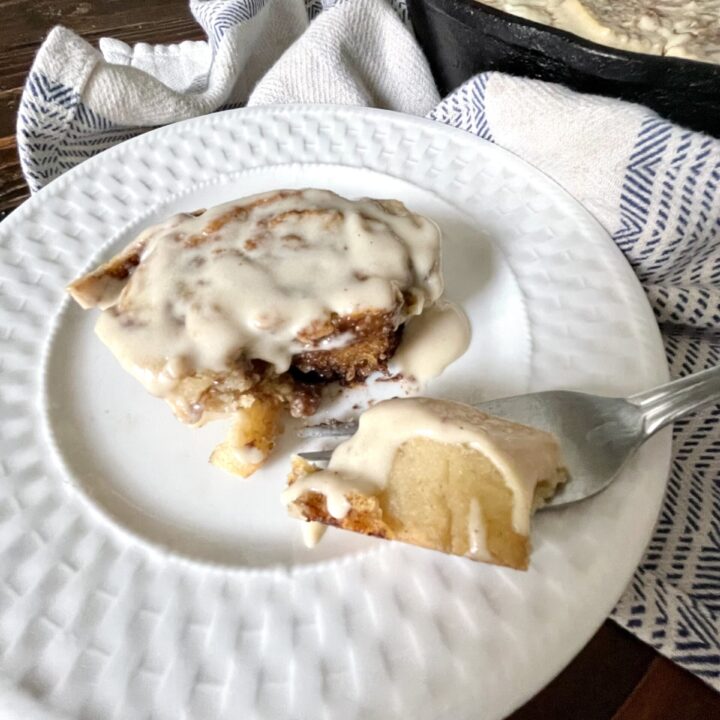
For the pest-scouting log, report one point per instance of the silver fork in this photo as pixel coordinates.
(598, 435)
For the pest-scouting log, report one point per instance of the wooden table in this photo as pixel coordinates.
(615, 676)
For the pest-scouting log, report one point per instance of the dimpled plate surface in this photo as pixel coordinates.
(101, 619)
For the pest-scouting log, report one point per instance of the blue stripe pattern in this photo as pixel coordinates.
(219, 16)
(668, 230)
(465, 108)
(315, 7)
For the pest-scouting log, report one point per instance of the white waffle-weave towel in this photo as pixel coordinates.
(653, 186)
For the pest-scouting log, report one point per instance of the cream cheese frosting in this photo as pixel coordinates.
(432, 341)
(259, 278)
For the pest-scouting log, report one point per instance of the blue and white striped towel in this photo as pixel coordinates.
(653, 186)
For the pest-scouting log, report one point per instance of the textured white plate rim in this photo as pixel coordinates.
(90, 165)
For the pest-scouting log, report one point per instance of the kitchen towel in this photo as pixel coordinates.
(652, 185)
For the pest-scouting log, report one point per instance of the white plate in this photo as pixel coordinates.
(137, 581)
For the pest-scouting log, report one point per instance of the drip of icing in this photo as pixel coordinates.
(432, 341)
(248, 455)
(334, 486)
(477, 533)
(523, 455)
(260, 278)
(312, 533)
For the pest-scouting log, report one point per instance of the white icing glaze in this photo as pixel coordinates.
(523, 455)
(432, 341)
(680, 28)
(260, 278)
(312, 533)
(334, 486)
(248, 455)
(477, 533)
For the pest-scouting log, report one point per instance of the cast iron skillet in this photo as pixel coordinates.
(463, 37)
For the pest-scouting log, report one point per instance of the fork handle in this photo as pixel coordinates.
(671, 401)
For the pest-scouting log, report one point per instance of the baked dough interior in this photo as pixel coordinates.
(436, 474)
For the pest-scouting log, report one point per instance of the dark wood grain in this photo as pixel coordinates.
(596, 684)
(615, 677)
(665, 692)
(25, 23)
